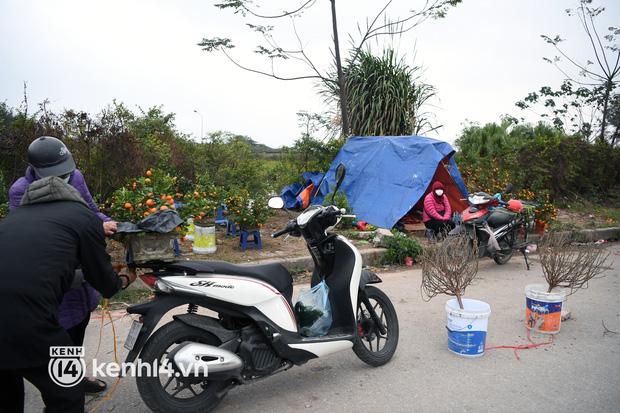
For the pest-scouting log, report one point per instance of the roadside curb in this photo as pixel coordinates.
(588, 235)
(369, 256)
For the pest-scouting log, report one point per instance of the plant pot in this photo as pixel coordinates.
(191, 229)
(204, 240)
(249, 229)
(540, 227)
(543, 310)
(145, 247)
(467, 327)
(205, 222)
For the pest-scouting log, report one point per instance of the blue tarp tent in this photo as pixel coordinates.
(387, 176)
(295, 197)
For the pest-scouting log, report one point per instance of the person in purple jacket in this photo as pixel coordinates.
(48, 156)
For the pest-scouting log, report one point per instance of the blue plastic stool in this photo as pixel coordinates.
(220, 219)
(245, 243)
(233, 229)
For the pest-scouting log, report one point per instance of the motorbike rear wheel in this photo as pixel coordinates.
(167, 393)
(372, 347)
(503, 258)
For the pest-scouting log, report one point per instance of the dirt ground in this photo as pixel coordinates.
(228, 248)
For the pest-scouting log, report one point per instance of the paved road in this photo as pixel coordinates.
(578, 373)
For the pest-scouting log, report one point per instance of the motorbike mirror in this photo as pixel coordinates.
(275, 202)
(341, 171)
(509, 188)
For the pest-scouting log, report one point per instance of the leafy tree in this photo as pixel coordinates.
(490, 141)
(226, 160)
(14, 141)
(6, 116)
(274, 49)
(587, 102)
(117, 156)
(538, 159)
(307, 154)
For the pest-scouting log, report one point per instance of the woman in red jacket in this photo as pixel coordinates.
(437, 212)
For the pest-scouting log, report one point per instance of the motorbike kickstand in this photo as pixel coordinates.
(527, 262)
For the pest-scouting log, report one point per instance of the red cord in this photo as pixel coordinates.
(525, 346)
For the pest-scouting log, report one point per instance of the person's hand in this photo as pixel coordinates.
(109, 227)
(131, 273)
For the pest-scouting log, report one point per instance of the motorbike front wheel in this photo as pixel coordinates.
(165, 392)
(372, 347)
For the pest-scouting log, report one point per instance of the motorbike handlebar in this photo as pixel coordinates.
(279, 233)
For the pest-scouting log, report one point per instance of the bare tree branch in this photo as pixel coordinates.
(448, 268)
(241, 4)
(570, 267)
(432, 9)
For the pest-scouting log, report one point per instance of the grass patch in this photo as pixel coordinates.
(609, 214)
(126, 297)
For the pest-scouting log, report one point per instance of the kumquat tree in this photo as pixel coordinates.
(142, 197)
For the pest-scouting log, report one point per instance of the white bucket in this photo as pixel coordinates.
(467, 327)
(543, 310)
(204, 240)
(191, 229)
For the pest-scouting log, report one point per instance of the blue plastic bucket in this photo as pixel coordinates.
(467, 327)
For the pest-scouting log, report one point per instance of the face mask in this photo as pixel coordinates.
(439, 192)
(67, 179)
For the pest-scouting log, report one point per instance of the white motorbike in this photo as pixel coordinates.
(255, 330)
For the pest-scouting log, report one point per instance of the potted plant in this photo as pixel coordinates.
(564, 268)
(448, 268)
(142, 197)
(133, 204)
(545, 212)
(199, 211)
(253, 215)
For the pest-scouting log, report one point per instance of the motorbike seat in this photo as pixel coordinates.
(272, 273)
(500, 217)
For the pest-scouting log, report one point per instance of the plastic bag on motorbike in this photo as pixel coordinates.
(313, 311)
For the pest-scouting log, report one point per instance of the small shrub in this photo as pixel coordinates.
(400, 247)
(4, 209)
(341, 201)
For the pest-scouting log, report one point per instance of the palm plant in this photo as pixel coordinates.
(384, 97)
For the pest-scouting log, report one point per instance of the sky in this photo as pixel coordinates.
(84, 54)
